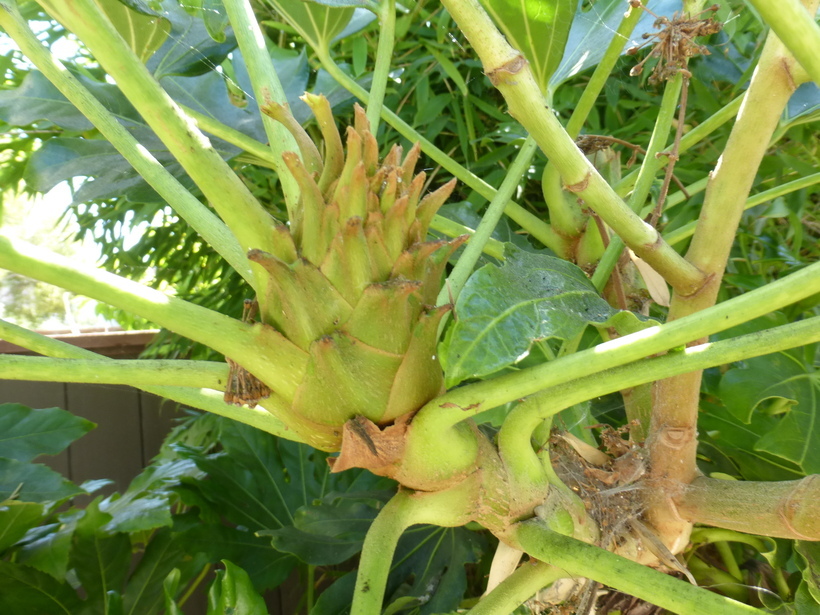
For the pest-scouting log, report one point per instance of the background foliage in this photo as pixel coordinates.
(182, 516)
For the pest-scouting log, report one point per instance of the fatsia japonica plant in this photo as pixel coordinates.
(521, 369)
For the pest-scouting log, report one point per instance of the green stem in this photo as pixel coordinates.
(536, 227)
(784, 509)
(211, 125)
(585, 560)
(562, 215)
(203, 399)
(259, 349)
(796, 28)
(226, 192)
(724, 549)
(448, 227)
(520, 586)
(690, 139)
(646, 176)
(266, 88)
(687, 230)
(464, 267)
(199, 374)
(513, 78)
(443, 508)
(715, 578)
(384, 57)
(446, 411)
(201, 219)
(524, 419)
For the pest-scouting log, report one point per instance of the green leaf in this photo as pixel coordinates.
(27, 433)
(785, 386)
(36, 483)
(503, 310)
(810, 552)
(167, 551)
(537, 28)
(169, 590)
(28, 590)
(100, 559)
(371, 5)
(146, 504)
(592, 31)
(144, 33)
(190, 49)
(47, 547)
(328, 531)
(318, 24)
(16, 518)
(449, 69)
(803, 106)
(233, 592)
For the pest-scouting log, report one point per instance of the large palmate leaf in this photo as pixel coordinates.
(28, 590)
(787, 387)
(537, 28)
(592, 31)
(32, 482)
(318, 24)
(427, 574)
(263, 484)
(16, 518)
(27, 433)
(100, 560)
(503, 310)
(144, 33)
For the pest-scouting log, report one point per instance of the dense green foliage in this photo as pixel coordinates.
(223, 491)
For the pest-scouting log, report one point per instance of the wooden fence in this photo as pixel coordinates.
(131, 425)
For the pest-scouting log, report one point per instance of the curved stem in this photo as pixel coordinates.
(231, 198)
(646, 176)
(562, 215)
(526, 220)
(469, 400)
(521, 422)
(384, 56)
(267, 88)
(449, 508)
(464, 267)
(203, 399)
(261, 350)
(585, 560)
(201, 219)
(795, 26)
(513, 77)
(517, 588)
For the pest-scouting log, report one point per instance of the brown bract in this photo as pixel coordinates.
(366, 445)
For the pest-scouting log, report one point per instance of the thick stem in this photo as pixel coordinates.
(204, 399)
(384, 57)
(450, 508)
(786, 509)
(672, 441)
(510, 73)
(267, 88)
(514, 437)
(646, 176)
(469, 400)
(585, 560)
(536, 227)
(199, 374)
(795, 26)
(201, 219)
(240, 210)
(517, 588)
(260, 349)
